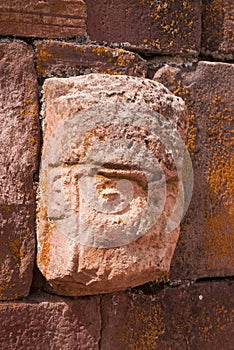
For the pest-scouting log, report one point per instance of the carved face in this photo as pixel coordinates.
(109, 187)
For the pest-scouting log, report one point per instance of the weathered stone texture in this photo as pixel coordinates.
(56, 58)
(19, 140)
(43, 19)
(49, 322)
(218, 29)
(206, 244)
(73, 267)
(167, 27)
(195, 317)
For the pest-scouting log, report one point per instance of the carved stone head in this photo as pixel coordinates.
(112, 180)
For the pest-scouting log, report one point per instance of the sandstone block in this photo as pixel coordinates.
(19, 141)
(218, 29)
(49, 322)
(55, 58)
(109, 183)
(43, 19)
(206, 243)
(168, 27)
(195, 317)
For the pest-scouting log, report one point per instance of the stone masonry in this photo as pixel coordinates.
(60, 58)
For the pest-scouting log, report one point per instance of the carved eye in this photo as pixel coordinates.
(121, 171)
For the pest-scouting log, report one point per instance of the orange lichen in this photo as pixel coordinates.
(220, 220)
(17, 249)
(125, 60)
(42, 55)
(32, 140)
(174, 26)
(192, 134)
(111, 72)
(99, 50)
(150, 324)
(180, 90)
(43, 258)
(6, 207)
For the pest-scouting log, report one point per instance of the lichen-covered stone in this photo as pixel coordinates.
(49, 322)
(43, 19)
(168, 27)
(199, 316)
(55, 58)
(206, 243)
(218, 29)
(19, 141)
(95, 233)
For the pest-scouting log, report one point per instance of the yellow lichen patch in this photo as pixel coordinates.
(123, 60)
(221, 178)
(42, 55)
(6, 207)
(221, 319)
(6, 276)
(17, 249)
(117, 57)
(155, 43)
(174, 20)
(214, 10)
(180, 90)
(149, 324)
(192, 134)
(30, 106)
(219, 198)
(43, 257)
(220, 238)
(32, 141)
(111, 72)
(100, 50)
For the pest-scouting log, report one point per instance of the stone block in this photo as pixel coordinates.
(19, 143)
(165, 27)
(195, 317)
(206, 243)
(109, 182)
(218, 29)
(49, 322)
(43, 19)
(55, 58)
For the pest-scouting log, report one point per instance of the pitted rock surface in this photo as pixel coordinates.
(19, 143)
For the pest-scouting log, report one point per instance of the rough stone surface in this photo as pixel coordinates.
(50, 322)
(218, 29)
(56, 58)
(195, 317)
(206, 244)
(167, 27)
(43, 19)
(19, 139)
(79, 266)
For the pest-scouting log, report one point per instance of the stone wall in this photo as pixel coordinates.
(188, 46)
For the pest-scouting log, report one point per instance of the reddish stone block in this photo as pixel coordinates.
(168, 27)
(19, 142)
(195, 317)
(205, 246)
(218, 29)
(49, 322)
(43, 19)
(55, 58)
